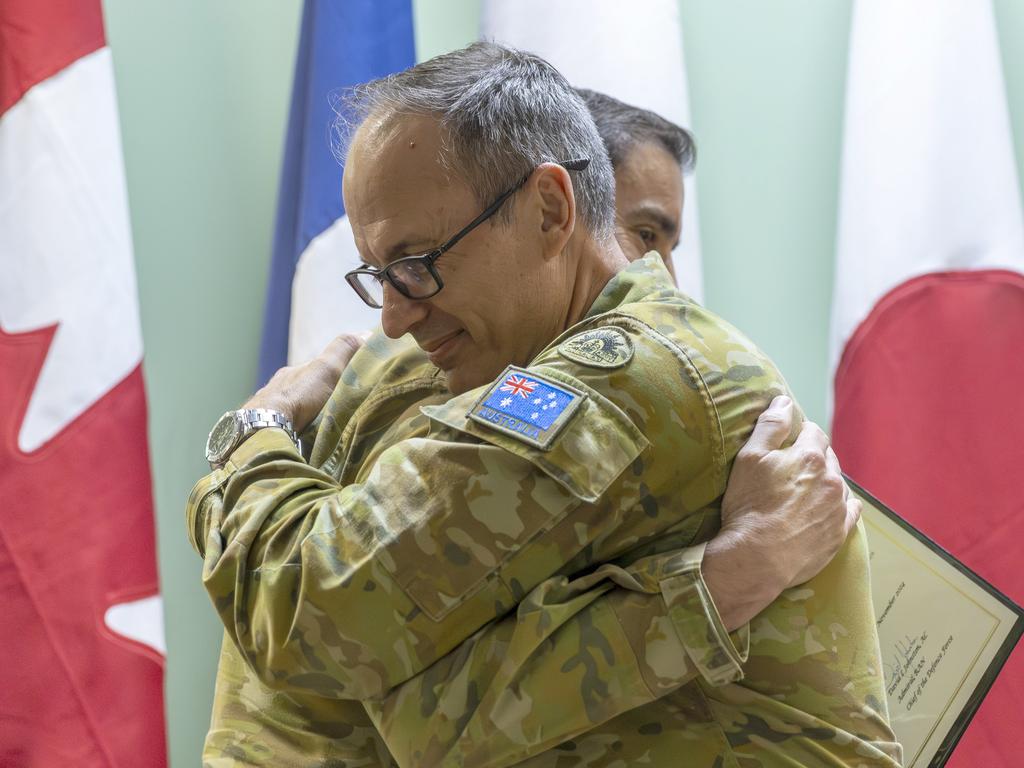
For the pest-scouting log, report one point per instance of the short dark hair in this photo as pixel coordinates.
(622, 126)
(504, 112)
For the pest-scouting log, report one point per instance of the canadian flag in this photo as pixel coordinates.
(81, 634)
(928, 310)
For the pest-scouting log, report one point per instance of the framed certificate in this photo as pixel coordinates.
(944, 631)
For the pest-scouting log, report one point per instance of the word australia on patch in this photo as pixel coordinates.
(527, 406)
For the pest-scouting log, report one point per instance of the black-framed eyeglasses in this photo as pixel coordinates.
(416, 277)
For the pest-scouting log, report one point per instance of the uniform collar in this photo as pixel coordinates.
(634, 283)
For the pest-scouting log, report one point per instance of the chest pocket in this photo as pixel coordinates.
(507, 514)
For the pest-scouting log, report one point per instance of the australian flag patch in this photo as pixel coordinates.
(527, 406)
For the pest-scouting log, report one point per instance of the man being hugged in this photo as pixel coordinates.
(517, 550)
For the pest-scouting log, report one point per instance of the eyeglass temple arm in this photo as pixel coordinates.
(570, 165)
(487, 213)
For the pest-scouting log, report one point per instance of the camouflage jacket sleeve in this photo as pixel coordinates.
(574, 655)
(255, 726)
(350, 589)
(589, 649)
(397, 586)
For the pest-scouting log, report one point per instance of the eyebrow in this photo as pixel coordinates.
(664, 223)
(398, 250)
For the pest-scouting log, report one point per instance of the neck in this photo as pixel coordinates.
(596, 263)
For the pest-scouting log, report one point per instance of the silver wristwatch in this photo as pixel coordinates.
(234, 427)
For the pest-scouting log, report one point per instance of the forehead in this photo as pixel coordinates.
(397, 191)
(398, 151)
(649, 171)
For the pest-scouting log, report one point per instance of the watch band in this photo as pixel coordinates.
(254, 419)
(235, 427)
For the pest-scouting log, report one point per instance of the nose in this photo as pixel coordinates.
(399, 314)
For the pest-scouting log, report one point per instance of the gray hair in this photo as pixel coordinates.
(502, 112)
(623, 126)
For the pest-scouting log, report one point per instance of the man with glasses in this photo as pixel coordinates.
(485, 577)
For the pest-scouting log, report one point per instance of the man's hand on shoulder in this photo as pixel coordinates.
(301, 391)
(785, 514)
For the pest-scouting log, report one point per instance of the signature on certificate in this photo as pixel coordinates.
(905, 653)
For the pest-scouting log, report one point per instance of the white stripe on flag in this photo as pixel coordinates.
(323, 304)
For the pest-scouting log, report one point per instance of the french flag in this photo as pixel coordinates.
(81, 673)
(308, 301)
(928, 309)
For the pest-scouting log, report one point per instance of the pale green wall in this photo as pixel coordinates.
(204, 88)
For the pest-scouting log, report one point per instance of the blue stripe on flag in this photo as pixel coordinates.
(343, 43)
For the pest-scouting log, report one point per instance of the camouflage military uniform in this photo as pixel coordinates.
(481, 600)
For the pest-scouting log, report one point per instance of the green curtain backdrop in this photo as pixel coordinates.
(204, 89)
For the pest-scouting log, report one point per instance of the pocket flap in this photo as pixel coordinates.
(593, 446)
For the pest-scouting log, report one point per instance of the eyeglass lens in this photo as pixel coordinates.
(413, 278)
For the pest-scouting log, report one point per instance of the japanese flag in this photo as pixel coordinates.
(927, 335)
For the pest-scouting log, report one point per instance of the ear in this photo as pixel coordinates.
(557, 206)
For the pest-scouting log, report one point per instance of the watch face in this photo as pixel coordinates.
(222, 437)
